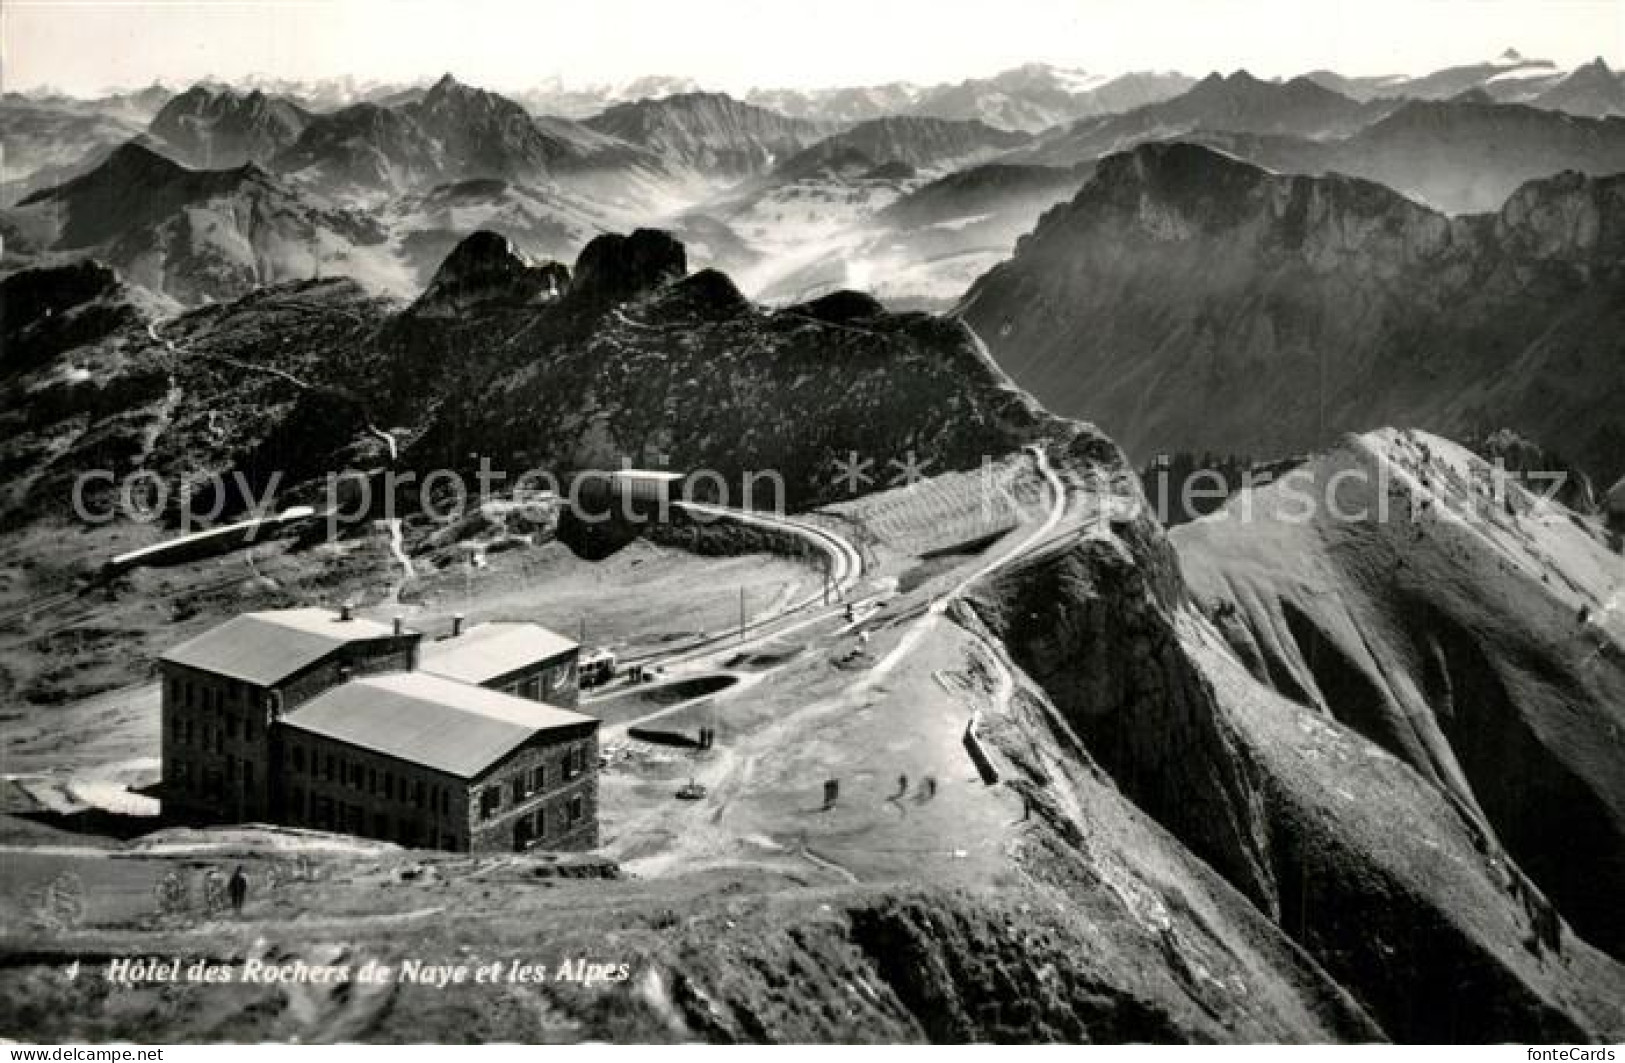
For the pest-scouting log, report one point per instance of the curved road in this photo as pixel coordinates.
(940, 604)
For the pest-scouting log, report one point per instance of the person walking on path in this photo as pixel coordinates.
(238, 889)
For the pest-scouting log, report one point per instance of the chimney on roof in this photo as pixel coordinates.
(400, 625)
(347, 611)
(456, 624)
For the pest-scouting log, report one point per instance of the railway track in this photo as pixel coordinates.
(845, 569)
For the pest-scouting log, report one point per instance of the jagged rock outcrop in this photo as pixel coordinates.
(613, 268)
(842, 306)
(1188, 301)
(484, 270)
(1541, 470)
(708, 293)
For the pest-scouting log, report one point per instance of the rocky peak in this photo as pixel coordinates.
(135, 162)
(132, 167)
(708, 294)
(613, 268)
(452, 101)
(841, 307)
(447, 87)
(486, 270)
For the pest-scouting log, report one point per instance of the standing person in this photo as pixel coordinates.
(238, 888)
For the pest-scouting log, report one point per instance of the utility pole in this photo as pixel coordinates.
(583, 639)
(741, 614)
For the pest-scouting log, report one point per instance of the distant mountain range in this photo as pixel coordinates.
(1238, 103)
(1025, 99)
(1462, 154)
(794, 193)
(1509, 77)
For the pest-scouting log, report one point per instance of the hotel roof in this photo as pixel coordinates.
(266, 648)
(490, 651)
(439, 723)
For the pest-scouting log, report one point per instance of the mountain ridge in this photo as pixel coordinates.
(1190, 300)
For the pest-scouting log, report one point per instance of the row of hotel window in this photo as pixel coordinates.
(342, 771)
(214, 696)
(335, 768)
(528, 782)
(325, 813)
(184, 732)
(200, 779)
(530, 829)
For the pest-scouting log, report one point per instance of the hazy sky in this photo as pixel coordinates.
(86, 45)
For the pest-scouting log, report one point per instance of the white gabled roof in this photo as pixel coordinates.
(424, 719)
(490, 651)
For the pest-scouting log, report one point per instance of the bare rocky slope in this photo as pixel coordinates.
(1187, 300)
(1298, 810)
(1459, 622)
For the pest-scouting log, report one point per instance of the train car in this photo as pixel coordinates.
(596, 668)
